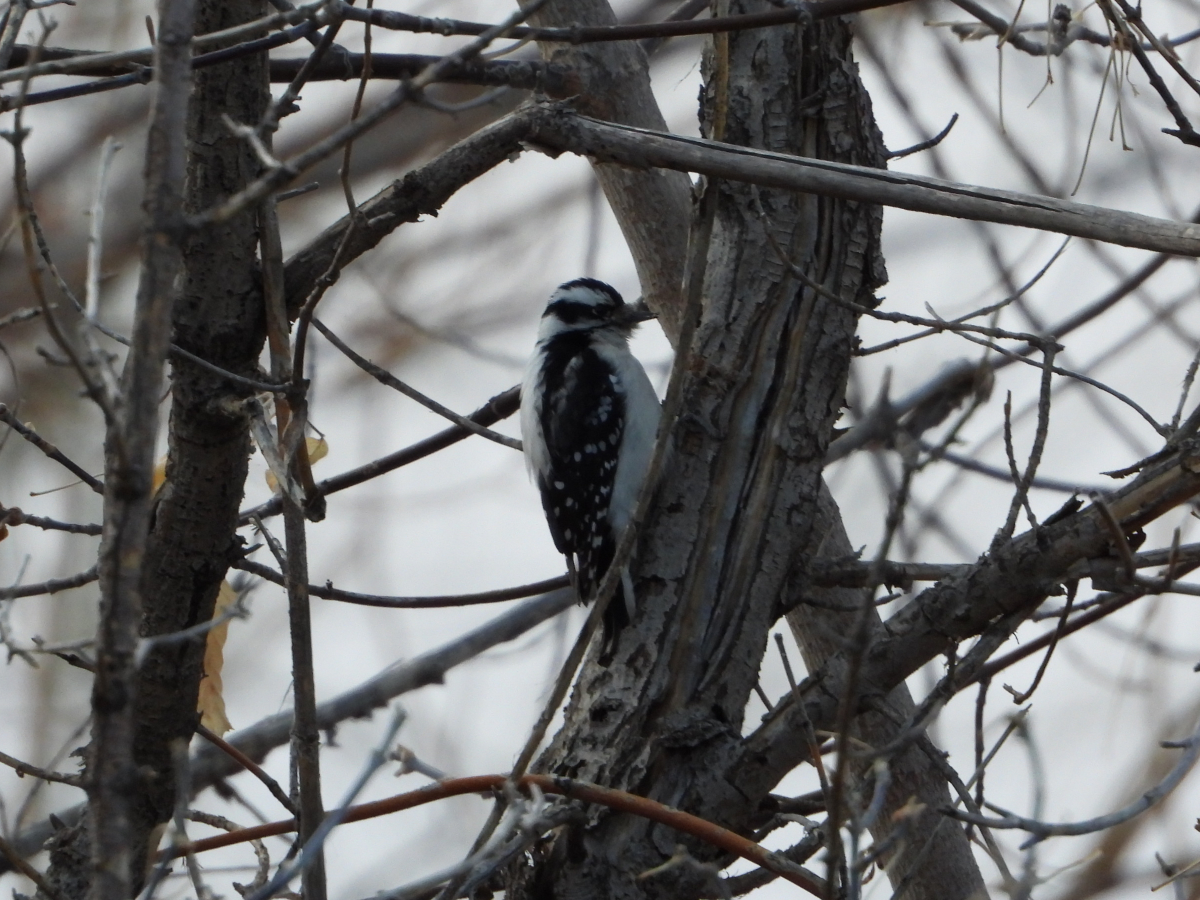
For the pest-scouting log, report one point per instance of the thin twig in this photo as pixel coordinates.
(260, 851)
(566, 787)
(53, 586)
(1120, 541)
(96, 230)
(291, 417)
(499, 407)
(1024, 482)
(385, 377)
(926, 144)
(280, 176)
(820, 9)
(329, 592)
(18, 316)
(83, 63)
(200, 630)
(250, 766)
(1023, 696)
(310, 853)
(23, 769)
(9, 419)
(1040, 830)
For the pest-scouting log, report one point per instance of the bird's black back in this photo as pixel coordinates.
(582, 419)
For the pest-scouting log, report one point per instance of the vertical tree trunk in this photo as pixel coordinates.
(932, 856)
(218, 316)
(742, 503)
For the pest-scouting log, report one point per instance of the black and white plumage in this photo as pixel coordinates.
(589, 417)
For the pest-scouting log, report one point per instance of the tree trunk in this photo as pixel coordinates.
(218, 316)
(742, 503)
(932, 856)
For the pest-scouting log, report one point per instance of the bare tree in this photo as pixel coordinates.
(672, 759)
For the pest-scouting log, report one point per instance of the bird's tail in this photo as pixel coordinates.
(619, 613)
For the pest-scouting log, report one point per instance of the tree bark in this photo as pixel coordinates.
(113, 779)
(219, 317)
(933, 854)
(742, 503)
(615, 86)
(192, 526)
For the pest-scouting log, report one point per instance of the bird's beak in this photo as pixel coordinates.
(635, 313)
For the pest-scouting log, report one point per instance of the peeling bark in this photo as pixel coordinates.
(743, 502)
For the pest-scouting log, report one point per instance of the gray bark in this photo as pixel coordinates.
(193, 540)
(614, 85)
(113, 778)
(742, 502)
(644, 148)
(933, 853)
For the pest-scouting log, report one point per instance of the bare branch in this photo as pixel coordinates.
(129, 462)
(53, 586)
(789, 14)
(566, 787)
(289, 169)
(52, 452)
(1039, 830)
(383, 376)
(256, 741)
(211, 765)
(561, 130)
(250, 766)
(14, 516)
(1015, 577)
(24, 769)
(329, 592)
(499, 407)
(86, 63)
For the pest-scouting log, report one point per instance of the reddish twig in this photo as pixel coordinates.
(249, 765)
(622, 801)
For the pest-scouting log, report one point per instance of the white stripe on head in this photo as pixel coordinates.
(584, 303)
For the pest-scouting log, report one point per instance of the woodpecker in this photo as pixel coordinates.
(589, 417)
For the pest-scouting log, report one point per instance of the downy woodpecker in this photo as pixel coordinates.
(589, 417)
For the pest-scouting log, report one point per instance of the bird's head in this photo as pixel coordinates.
(586, 304)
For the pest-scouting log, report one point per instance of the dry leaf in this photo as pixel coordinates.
(211, 702)
(317, 448)
(160, 474)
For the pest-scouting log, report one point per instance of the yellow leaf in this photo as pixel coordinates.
(160, 474)
(211, 702)
(318, 449)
